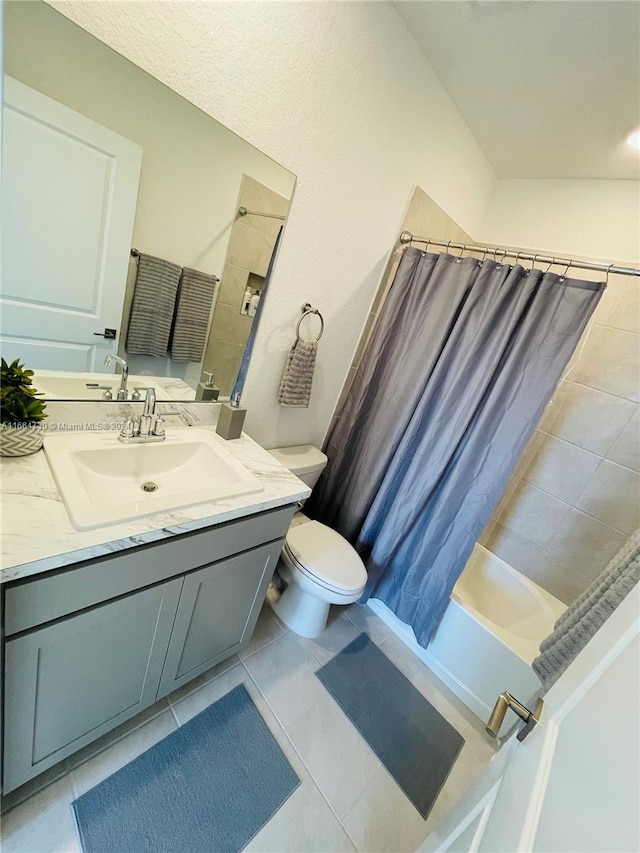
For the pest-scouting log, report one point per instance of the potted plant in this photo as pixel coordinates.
(20, 411)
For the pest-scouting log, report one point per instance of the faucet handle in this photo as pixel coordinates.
(108, 391)
(158, 426)
(129, 429)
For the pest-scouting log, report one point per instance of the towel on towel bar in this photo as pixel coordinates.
(195, 296)
(154, 301)
(295, 388)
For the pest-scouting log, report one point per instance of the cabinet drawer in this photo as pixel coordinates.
(85, 584)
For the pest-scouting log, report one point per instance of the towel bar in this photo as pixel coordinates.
(307, 309)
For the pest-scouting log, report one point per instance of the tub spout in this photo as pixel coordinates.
(506, 700)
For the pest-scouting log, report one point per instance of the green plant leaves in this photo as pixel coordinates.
(18, 399)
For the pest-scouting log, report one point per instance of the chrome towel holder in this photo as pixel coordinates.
(308, 309)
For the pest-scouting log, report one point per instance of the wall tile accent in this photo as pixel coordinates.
(626, 448)
(610, 362)
(589, 458)
(583, 544)
(561, 469)
(533, 514)
(586, 417)
(250, 247)
(613, 495)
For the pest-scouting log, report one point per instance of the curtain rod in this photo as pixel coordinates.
(408, 237)
(242, 211)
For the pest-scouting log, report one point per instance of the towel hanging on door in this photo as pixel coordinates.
(589, 612)
(154, 302)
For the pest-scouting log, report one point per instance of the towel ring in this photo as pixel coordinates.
(306, 313)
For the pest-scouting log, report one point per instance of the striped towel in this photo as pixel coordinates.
(192, 315)
(589, 612)
(295, 388)
(154, 301)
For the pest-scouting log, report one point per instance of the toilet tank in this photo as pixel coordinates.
(303, 460)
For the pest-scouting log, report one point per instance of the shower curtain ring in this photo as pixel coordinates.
(606, 281)
(448, 244)
(566, 270)
(551, 263)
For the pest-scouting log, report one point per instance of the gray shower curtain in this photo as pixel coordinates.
(461, 363)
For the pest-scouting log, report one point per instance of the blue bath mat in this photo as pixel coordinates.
(413, 740)
(209, 786)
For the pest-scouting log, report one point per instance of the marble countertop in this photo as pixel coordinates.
(37, 534)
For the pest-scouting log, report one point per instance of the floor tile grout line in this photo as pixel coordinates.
(263, 646)
(302, 761)
(362, 630)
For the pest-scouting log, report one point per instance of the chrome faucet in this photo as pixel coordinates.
(121, 393)
(148, 427)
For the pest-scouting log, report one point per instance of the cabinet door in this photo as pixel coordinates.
(71, 681)
(218, 609)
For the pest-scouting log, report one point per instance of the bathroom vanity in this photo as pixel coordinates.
(98, 625)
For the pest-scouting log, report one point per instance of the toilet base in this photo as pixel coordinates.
(302, 613)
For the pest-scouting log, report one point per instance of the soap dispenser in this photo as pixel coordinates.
(207, 391)
(231, 419)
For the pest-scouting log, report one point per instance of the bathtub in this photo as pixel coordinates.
(489, 635)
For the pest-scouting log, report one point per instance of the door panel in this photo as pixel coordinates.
(218, 609)
(71, 681)
(68, 206)
(574, 783)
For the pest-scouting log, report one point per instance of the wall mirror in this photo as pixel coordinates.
(102, 162)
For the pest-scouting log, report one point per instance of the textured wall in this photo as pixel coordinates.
(595, 219)
(341, 94)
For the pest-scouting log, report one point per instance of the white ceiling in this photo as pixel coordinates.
(549, 88)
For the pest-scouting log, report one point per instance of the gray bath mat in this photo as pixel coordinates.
(210, 785)
(413, 740)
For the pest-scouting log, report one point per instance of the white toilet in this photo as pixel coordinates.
(318, 565)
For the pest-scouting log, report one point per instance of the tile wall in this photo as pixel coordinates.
(575, 496)
(250, 248)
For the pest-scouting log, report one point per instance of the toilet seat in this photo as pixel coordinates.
(326, 558)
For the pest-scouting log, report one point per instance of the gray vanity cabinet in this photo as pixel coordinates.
(71, 681)
(92, 644)
(218, 609)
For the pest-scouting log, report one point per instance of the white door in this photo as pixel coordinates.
(69, 191)
(574, 784)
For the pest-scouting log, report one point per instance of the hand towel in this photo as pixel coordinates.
(295, 388)
(154, 301)
(581, 620)
(195, 296)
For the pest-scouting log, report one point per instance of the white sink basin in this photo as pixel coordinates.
(103, 481)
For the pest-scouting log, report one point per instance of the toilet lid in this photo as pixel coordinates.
(327, 555)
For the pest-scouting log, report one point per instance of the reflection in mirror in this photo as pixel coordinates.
(101, 159)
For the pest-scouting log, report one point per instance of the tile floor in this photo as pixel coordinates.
(347, 800)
